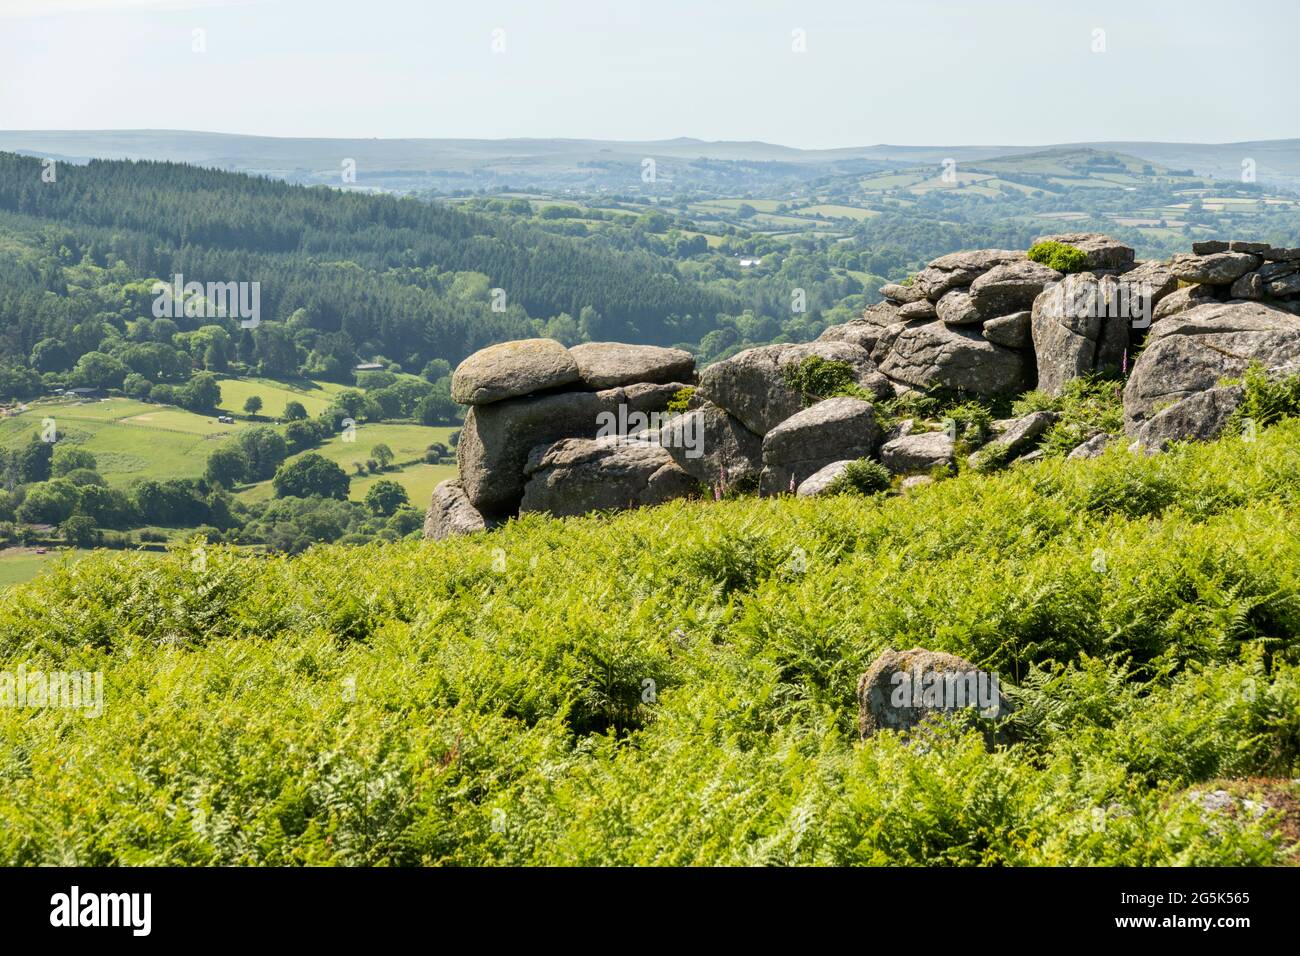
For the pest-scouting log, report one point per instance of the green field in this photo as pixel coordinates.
(835, 210)
(134, 440)
(408, 443)
(129, 439)
(314, 396)
(22, 564)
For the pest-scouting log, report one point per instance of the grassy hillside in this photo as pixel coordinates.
(134, 440)
(408, 444)
(130, 440)
(677, 685)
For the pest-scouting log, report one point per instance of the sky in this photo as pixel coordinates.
(811, 74)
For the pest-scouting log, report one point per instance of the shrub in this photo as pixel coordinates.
(1087, 406)
(1059, 256)
(384, 497)
(861, 477)
(309, 476)
(678, 404)
(971, 424)
(816, 378)
(1268, 398)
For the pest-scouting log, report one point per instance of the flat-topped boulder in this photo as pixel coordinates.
(834, 430)
(752, 385)
(1103, 252)
(1010, 287)
(921, 451)
(1217, 268)
(1190, 352)
(610, 364)
(1012, 331)
(957, 359)
(922, 309)
(577, 475)
(1180, 300)
(956, 307)
(960, 269)
(865, 330)
(902, 294)
(511, 370)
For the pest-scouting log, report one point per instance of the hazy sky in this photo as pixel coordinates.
(1011, 72)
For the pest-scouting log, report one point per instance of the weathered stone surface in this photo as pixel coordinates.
(1077, 329)
(512, 369)
(1010, 287)
(901, 429)
(957, 308)
(833, 430)
(1218, 268)
(896, 292)
(1209, 247)
(496, 439)
(820, 480)
(1287, 285)
(1200, 417)
(888, 336)
(1190, 352)
(1183, 299)
(1239, 245)
(922, 309)
(887, 699)
(610, 364)
(1144, 287)
(1278, 253)
(912, 482)
(643, 396)
(919, 452)
(1093, 447)
(865, 330)
(1030, 457)
(1276, 270)
(1018, 438)
(577, 475)
(1249, 286)
(727, 450)
(857, 332)
(954, 358)
(751, 385)
(450, 513)
(1103, 252)
(1013, 331)
(960, 269)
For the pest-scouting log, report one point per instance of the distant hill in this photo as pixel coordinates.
(406, 164)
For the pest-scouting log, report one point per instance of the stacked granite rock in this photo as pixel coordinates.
(1235, 307)
(529, 442)
(982, 323)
